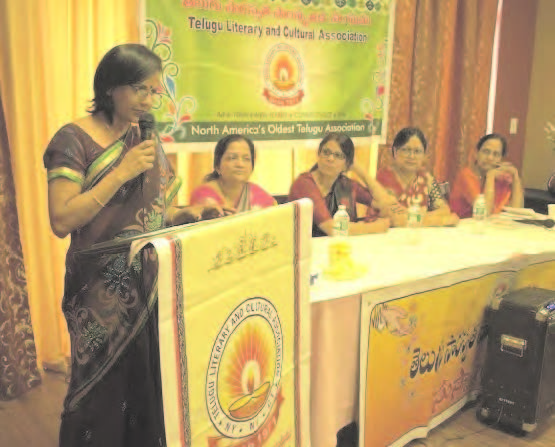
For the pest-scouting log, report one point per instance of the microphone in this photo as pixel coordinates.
(147, 126)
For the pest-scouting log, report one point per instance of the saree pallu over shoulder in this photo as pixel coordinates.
(467, 187)
(172, 189)
(252, 197)
(344, 191)
(423, 189)
(71, 150)
(103, 164)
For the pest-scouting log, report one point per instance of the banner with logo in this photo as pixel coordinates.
(271, 70)
(422, 346)
(234, 327)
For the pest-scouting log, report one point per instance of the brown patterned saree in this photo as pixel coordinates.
(114, 396)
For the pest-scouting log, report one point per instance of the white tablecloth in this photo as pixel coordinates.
(393, 258)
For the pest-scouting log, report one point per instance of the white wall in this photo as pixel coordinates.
(539, 155)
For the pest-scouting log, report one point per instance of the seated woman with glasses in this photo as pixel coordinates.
(227, 188)
(328, 187)
(408, 181)
(498, 181)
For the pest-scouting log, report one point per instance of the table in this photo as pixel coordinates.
(392, 262)
(538, 199)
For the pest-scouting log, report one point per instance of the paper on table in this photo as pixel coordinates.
(528, 212)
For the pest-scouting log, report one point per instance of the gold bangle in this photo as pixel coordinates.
(97, 201)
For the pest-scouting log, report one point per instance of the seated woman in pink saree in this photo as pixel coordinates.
(228, 186)
(499, 182)
(409, 182)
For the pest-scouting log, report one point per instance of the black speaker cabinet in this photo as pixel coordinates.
(518, 379)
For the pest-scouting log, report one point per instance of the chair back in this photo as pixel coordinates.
(445, 189)
(281, 199)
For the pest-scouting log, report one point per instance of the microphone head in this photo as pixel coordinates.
(147, 125)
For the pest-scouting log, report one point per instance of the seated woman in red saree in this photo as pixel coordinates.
(328, 187)
(409, 182)
(499, 182)
(228, 186)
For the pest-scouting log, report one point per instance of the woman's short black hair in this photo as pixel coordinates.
(345, 143)
(493, 136)
(125, 64)
(405, 135)
(220, 150)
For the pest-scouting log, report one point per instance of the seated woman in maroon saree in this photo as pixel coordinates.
(105, 184)
(228, 186)
(409, 183)
(328, 187)
(499, 182)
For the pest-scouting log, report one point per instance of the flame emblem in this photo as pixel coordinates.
(248, 368)
(284, 73)
(283, 76)
(244, 369)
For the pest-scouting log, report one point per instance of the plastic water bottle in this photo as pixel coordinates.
(414, 222)
(480, 212)
(414, 219)
(341, 222)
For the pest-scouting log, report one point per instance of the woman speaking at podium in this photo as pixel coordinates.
(106, 183)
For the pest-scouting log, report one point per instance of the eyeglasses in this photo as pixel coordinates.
(406, 151)
(488, 152)
(336, 155)
(234, 157)
(142, 91)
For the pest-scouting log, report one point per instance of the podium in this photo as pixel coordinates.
(234, 327)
